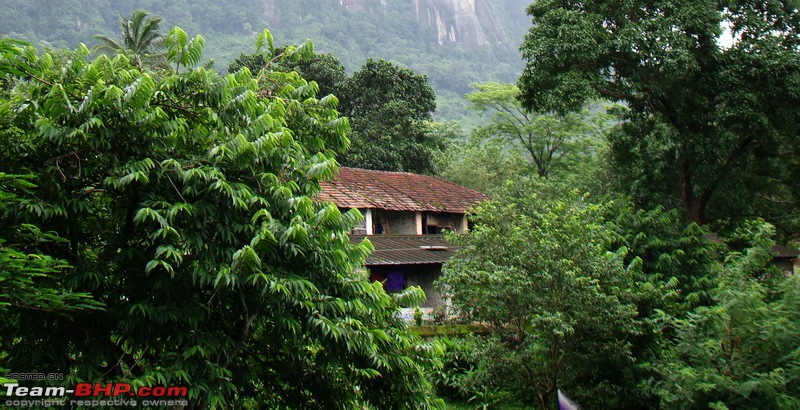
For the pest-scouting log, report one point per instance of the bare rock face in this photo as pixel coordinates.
(353, 5)
(462, 22)
(457, 23)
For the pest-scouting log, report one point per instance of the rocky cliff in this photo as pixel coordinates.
(464, 22)
(454, 42)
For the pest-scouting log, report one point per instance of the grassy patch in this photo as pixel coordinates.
(448, 330)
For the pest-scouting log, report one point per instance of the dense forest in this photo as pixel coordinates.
(160, 227)
(366, 29)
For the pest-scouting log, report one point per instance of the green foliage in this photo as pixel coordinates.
(582, 295)
(481, 163)
(418, 316)
(141, 40)
(741, 352)
(676, 259)
(389, 107)
(165, 232)
(547, 138)
(452, 379)
(324, 69)
(182, 51)
(31, 281)
(267, 56)
(711, 120)
(537, 268)
(515, 143)
(677, 272)
(352, 32)
(379, 83)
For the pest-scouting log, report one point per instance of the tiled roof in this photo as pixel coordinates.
(397, 191)
(406, 249)
(785, 252)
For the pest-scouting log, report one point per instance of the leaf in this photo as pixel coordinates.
(265, 39)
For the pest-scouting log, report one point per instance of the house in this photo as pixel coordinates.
(786, 259)
(405, 215)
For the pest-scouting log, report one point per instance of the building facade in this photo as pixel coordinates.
(405, 216)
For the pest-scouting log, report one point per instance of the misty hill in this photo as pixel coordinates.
(454, 42)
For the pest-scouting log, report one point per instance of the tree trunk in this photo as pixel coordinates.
(694, 205)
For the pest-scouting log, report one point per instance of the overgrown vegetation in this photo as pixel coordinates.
(619, 307)
(351, 33)
(158, 223)
(164, 232)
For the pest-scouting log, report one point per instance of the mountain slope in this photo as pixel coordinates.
(454, 42)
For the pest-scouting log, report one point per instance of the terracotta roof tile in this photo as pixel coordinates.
(397, 191)
(782, 251)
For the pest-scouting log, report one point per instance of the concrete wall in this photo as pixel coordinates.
(395, 223)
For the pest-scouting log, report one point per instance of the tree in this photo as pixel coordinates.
(379, 82)
(547, 138)
(388, 107)
(195, 248)
(141, 40)
(324, 69)
(536, 267)
(708, 121)
(741, 351)
(678, 263)
(483, 164)
(30, 281)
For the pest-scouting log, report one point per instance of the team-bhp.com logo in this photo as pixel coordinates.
(94, 395)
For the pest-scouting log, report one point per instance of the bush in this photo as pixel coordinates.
(458, 363)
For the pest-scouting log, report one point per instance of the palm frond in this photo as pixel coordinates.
(140, 39)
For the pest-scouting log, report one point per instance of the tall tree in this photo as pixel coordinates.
(710, 120)
(183, 205)
(547, 138)
(324, 69)
(388, 107)
(741, 351)
(537, 268)
(141, 40)
(481, 163)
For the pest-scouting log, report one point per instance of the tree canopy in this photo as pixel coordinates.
(740, 351)
(483, 164)
(324, 69)
(620, 307)
(538, 269)
(389, 107)
(161, 228)
(713, 114)
(546, 138)
(141, 40)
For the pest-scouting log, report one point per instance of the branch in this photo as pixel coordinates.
(737, 152)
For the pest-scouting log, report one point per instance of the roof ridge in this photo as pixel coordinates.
(398, 191)
(416, 175)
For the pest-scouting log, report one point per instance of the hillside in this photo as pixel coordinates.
(454, 42)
